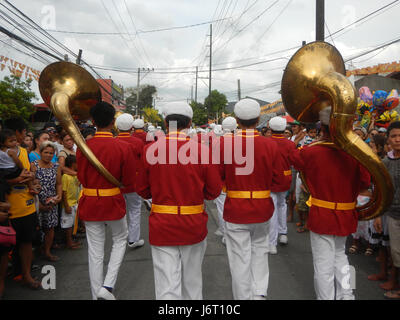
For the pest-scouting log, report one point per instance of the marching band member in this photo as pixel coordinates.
(278, 223)
(139, 132)
(229, 125)
(334, 180)
(133, 201)
(102, 203)
(248, 206)
(178, 221)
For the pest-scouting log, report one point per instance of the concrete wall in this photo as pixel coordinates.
(375, 82)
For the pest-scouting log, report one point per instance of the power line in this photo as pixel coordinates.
(365, 17)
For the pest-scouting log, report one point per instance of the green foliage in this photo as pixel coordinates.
(199, 113)
(151, 115)
(215, 103)
(145, 98)
(16, 98)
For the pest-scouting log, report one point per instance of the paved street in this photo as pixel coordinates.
(291, 272)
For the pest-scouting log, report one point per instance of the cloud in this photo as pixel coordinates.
(245, 37)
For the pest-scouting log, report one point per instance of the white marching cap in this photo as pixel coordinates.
(229, 123)
(277, 124)
(181, 108)
(325, 115)
(138, 123)
(124, 121)
(247, 109)
(218, 130)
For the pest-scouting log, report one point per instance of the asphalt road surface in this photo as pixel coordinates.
(291, 271)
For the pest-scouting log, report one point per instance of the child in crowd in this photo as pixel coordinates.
(70, 187)
(311, 136)
(10, 166)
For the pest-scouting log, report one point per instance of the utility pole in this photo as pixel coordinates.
(239, 90)
(78, 59)
(209, 79)
(320, 20)
(138, 91)
(195, 91)
(191, 94)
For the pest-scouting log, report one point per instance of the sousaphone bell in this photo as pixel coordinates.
(71, 91)
(315, 77)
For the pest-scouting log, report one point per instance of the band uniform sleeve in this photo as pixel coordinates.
(213, 183)
(277, 169)
(143, 178)
(296, 159)
(365, 178)
(129, 169)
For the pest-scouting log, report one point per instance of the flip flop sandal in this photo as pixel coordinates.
(392, 295)
(369, 252)
(34, 285)
(353, 249)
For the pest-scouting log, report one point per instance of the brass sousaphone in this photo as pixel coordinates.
(71, 91)
(314, 78)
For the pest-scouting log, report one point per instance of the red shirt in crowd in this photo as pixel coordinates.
(112, 154)
(331, 175)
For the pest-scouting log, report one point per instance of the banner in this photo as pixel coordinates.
(18, 69)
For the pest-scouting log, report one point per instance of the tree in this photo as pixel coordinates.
(151, 115)
(145, 97)
(199, 113)
(215, 104)
(16, 98)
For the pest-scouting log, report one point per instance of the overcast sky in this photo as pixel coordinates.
(247, 32)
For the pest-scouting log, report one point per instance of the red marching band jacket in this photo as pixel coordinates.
(142, 135)
(136, 146)
(248, 192)
(285, 148)
(178, 183)
(101, 200)
(334, 180)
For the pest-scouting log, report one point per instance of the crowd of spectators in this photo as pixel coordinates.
(38, 196)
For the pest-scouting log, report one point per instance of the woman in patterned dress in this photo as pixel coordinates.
(49, 175)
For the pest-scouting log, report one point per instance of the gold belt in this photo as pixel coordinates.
(101, 192)
(157, 208)
(249, 194)
(287, 172)
(331, 205)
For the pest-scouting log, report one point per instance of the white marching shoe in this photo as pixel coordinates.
(104, 294)
(136, 244)
(272, 249)
(283, 239)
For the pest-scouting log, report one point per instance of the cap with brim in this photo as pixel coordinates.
(179, 108)
(277, 124)
(138, 123)
(124, 121)
(247, 109)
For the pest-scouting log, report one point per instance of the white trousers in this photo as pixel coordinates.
(330, 265)
(178, 271)
(96, 236)
(220, 202)
(247, 248)
(133, 211)
(278, 222)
